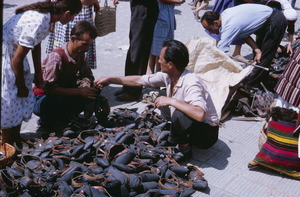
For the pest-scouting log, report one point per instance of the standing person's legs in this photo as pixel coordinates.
(268, 40)
(143, 18)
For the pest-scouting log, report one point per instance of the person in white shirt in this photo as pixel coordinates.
(193, 115)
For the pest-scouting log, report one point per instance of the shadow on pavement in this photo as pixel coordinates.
(216, 156)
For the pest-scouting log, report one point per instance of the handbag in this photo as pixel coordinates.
(105, 19)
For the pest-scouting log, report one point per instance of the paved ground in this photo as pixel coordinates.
(225, 164)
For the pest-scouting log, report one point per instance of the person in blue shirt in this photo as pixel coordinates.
(241, 22)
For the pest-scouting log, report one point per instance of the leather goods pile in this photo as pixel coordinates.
(128, 157)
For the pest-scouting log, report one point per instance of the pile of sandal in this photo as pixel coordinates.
(127, 157)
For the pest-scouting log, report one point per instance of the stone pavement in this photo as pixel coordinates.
(225, 164)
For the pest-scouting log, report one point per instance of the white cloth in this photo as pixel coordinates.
(189, 88)
(288, 11)
(280, 102)
(27, 29)
(216, 69)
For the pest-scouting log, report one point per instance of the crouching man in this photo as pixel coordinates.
(62, 68)
(194, 119)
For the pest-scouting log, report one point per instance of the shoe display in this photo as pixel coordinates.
(131, 158)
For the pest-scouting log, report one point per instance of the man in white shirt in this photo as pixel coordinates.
(193, 115)
(240, 22)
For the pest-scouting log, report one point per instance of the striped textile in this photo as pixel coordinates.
(288, 86)
(62, 33)
(280, 152)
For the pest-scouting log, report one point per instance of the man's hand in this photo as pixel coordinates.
(257, 55)
(87, 92)
(162, 101)
(115, 2)
(102, 82)
(289, 49)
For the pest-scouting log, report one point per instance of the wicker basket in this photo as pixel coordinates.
(105, 20)
(262, 136)
(9, 152)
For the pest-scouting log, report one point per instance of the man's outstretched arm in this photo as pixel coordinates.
(133, 81)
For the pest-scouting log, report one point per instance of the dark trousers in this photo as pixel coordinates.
(268, 39)
(143, 18)
(185, 130)
(55, 111)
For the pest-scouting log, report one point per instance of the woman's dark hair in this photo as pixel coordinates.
(177, 53)
(83, 27)
(53, 6)
(210, 17)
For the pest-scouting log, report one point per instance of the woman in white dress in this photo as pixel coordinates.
(23, 32)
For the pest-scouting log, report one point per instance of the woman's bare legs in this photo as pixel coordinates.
(199, 7)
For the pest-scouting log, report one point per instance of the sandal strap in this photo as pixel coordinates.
(168, 180)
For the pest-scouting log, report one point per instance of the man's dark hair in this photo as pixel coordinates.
(210, 17)
(177, 53)
(83, 27)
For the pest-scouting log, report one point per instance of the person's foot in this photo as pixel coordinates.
(186, 152)
(127, 97)
(241, 58)
(184, 156)
(193, 8)
(197, 17)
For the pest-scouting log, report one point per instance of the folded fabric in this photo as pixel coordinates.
(209, 63)
(280, 152)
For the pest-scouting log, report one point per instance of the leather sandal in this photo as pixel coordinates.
(125, 157)
(99, 191)
(65, 189)
(149, 176)
(168, 184)
(114, 150)
(179, 170)
(118, 175)
(135, 182)
(18, 166)
(6, 181)
(87, 135)
(34, 163)
(196, 178)
(15, 174)
(77, 179)
(101, 159)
